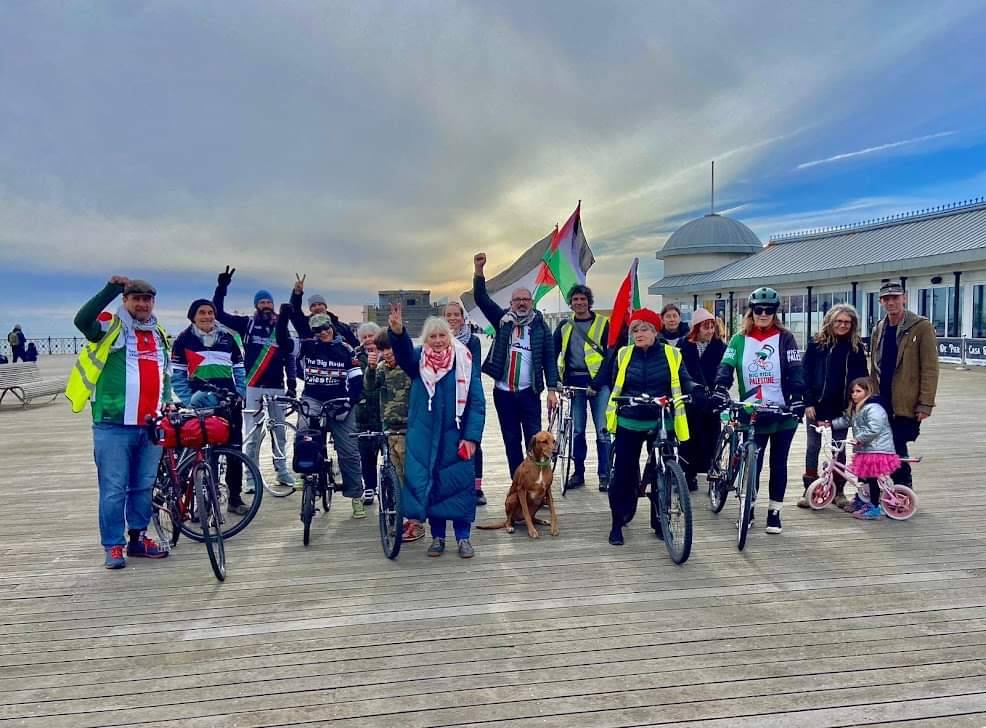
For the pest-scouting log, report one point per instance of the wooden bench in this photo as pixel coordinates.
(25, 382)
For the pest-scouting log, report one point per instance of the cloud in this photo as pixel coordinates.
(878, 148)
(374, 145)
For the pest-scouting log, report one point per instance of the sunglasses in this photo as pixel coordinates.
(764, 310)
(320, 329)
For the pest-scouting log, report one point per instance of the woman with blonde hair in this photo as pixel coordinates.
(833, 360)
(767, 362)
(446, 415)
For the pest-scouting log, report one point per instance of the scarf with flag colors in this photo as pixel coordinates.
(267, 354)
(627, 301)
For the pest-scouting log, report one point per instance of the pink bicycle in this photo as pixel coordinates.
(899, 501)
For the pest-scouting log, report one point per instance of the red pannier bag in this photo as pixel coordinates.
(194, 432)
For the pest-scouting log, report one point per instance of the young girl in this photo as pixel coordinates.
(873, 446)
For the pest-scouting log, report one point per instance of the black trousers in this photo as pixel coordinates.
(624, 488)
(780, 448)
(369, 449)
(234, 471)
(905, 430)
(519, 414)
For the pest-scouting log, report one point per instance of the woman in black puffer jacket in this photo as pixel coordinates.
(834, 358)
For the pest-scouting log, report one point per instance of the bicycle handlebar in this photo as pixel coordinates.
(388, 433)
(646, 399)
(328, 408)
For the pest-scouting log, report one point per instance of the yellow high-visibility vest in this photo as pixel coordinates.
(674, 363)
(593, 359)
(92, 359)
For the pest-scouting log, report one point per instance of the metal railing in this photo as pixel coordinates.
(49, 345)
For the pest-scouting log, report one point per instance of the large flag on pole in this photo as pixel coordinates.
(627, 301)
(569, 257)
(528, 271)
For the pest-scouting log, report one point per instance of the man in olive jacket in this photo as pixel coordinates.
(904, 362)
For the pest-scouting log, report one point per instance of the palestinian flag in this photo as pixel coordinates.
(627, 301)
(528, 271)
(569, 256)
(209, 365)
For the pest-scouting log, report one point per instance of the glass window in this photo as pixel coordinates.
(872, 311)
(979, 311)
(840, 297)
(938, 309)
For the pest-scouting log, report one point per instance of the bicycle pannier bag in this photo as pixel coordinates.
(199, 431)
(307, 452)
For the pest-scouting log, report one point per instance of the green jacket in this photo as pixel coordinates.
(392, 389)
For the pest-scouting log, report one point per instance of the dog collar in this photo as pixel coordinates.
(546, 463)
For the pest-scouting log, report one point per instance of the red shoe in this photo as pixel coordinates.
(413, 532)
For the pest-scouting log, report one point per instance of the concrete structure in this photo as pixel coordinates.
(940, 254)
(417, 307)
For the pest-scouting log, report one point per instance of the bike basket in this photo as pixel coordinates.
(199, 431)
(307, 452)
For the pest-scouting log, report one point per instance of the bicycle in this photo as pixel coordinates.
(560, 424)
(670, 504)
(736, 457)
(389, 512)
(282, 447)
(312, 461)
(899, 501)
(190, 487)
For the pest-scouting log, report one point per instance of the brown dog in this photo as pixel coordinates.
(531, 489)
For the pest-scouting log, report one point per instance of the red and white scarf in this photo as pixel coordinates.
(436, 364)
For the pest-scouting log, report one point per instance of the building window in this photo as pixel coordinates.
(872, 311)
(411, 302)
(979, 311)
(937, 304)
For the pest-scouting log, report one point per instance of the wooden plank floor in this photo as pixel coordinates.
(833, 623)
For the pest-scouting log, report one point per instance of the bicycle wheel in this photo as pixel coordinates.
(389, 512)
(330, 487)
(675, 511)
(273, 453)
(210, 518)
(308, 507)
(224, 461)
(747, 492)
(555, 428)
(820, 493)
(719, 471)
(164, 516)
(899, 504)
(565, 453)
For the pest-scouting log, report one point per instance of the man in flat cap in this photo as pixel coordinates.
(125, 373)
(904, 362)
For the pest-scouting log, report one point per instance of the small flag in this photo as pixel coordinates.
(627, 301)
(569, 257)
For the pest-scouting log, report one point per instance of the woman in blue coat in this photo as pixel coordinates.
(446, 416)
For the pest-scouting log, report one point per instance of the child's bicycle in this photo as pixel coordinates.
(388, 494)
(899, 501)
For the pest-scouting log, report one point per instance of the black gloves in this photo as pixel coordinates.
(798, 408)
(225, 277)
(721, 398)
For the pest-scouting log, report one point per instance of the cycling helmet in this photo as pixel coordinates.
(764, 297)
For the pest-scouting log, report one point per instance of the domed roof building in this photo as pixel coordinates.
(707, 243)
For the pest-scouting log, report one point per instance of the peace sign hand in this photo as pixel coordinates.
(299, 283)
(396, 320)
(226, 277)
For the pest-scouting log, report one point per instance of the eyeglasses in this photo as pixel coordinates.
(764, 310)
(520, 300)
(842, 322)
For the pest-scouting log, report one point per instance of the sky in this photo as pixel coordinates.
(380, 145)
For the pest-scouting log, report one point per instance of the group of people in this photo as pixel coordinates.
(430, 398)
(20, 348)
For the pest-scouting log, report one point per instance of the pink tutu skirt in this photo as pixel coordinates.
(874, 464)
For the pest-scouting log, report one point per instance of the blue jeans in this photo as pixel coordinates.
(126, 466)
(580, 448)
(461, 528)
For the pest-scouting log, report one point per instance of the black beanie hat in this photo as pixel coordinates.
(196, 304)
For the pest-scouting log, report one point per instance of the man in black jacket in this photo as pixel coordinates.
(521, 362)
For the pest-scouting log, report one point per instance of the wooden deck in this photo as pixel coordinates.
(833, 623)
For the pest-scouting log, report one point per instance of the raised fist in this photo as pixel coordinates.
(119, 280)
(479, 261)
(226, 277)
(372, 357)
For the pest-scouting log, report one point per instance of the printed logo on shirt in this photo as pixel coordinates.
(793, 355)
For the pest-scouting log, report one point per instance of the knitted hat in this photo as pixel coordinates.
(316, 298)
(196, 305)
(648, 316)
(262, 295)
(700, 316)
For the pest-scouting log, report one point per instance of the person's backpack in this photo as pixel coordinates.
(13, 339)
